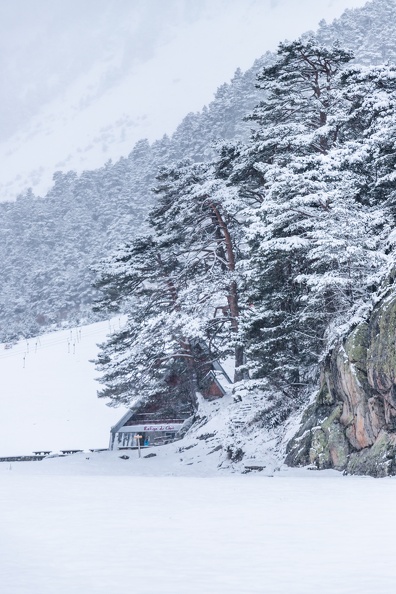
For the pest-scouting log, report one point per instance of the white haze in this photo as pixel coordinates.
(83, 80)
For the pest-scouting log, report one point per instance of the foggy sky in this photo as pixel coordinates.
(72, 69)
(45, 44)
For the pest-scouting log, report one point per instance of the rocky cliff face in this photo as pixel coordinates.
(351, 426)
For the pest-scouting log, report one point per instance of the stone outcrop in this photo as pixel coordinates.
(351, 426)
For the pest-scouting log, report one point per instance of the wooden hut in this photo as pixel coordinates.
(159, 422)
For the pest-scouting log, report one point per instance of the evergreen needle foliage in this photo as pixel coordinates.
(271, 251)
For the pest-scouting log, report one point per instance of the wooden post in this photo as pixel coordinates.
(138, 438)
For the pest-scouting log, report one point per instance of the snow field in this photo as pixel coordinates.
(183, 535)
(48, 393)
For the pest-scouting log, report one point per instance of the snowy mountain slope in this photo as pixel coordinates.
(48, 393)
(48, 246)
(48, 401)
(90, 80)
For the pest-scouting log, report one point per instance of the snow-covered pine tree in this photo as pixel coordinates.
(198, 212)
(180, 285)
(368, 31)
(318, 241)
(350, 251)
(280, 235)
(280, 166)
(153, 352)
(368, 131)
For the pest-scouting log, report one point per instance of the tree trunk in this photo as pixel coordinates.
(232, 297)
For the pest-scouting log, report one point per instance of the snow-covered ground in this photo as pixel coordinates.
(48, 393)
(48, 401)
(67, 530)
(184, 521)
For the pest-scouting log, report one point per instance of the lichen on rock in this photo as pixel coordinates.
(352, 424)
(378, 460)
